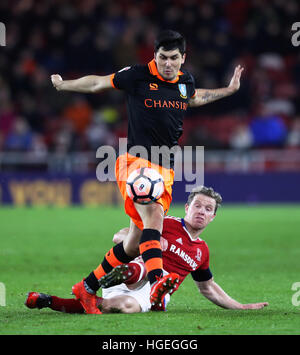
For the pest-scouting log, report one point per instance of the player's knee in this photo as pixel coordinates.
(130, 305)
(152, 216)
(117, 238)
(120, 235)
(131, 242)
(131, 249)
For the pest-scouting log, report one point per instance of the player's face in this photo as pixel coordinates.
(200, 212)
(169, 62)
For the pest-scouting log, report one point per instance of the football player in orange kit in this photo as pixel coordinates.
(158, 95)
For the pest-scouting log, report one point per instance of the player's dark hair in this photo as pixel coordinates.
(170, 40)
(207, 191)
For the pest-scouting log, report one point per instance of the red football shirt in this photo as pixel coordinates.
(182, 254)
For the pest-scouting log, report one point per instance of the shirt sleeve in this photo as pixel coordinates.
(202, 274)
(124, 79)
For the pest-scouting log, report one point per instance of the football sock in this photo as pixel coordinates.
(114, 257)
(151, 253)
(67, 305)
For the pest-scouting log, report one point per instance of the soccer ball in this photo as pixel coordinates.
(145, 185)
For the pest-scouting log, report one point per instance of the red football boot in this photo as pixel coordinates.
(87, 300)
(160, 288)
(37, 300)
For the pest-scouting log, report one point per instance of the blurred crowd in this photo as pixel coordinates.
(76, 38)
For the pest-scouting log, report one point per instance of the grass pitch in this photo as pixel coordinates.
(254, 257)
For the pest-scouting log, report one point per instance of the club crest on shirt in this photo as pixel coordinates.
(164, 244)
(198, 255)
(182, 89)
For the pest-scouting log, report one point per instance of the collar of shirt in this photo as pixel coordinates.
(185, 228)
(153, 70)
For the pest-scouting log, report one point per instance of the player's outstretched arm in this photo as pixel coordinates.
(212, 291)
(205, 96)
(86, 84)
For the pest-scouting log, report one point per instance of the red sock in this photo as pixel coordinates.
(67, 305)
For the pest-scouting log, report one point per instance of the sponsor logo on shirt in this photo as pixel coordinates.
(153, 86)
(177, 105)
(184, 256)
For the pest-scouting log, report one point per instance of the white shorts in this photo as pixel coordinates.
(141, 294)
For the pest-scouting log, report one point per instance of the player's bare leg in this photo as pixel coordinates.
(120, 304)
(152, 215)
(132, 240)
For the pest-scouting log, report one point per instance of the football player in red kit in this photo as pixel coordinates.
(126, 288)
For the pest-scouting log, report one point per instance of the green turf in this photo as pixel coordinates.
(254, 257)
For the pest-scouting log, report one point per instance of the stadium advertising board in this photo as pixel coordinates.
(84, 189)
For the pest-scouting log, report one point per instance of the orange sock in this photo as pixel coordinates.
(114, 257)
(151, 252)
(99, 272)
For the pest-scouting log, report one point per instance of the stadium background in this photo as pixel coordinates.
(48, 139)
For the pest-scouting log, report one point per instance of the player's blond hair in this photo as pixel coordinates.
(207, 191)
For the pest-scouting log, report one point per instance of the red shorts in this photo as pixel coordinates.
(125, 165)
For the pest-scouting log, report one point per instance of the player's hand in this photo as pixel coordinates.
(56, 81)
(234, 84)
(255, 305)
